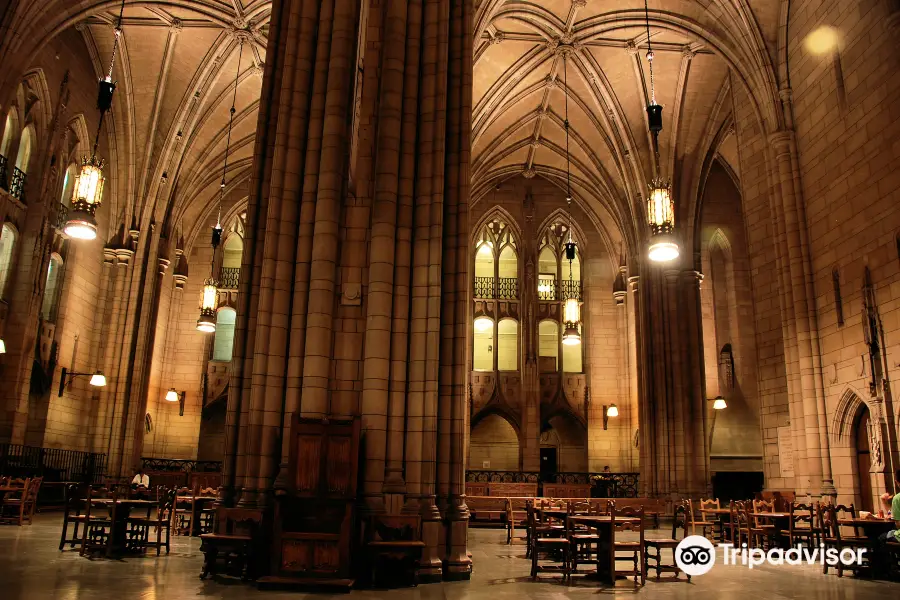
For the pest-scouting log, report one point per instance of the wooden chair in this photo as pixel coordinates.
(802, 525)
(183, 513)
(713, 523)
(634, 548)
(517, 516)
(19, 509)
(829, 520)
(544, 540)
(584, 542)
(394, 550)
(704, 525)
(679, 521)
(234, 542)
(763, 530)
(159, 519)
(73, 512)
(97, 533)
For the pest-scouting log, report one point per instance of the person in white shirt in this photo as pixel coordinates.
(140, 481)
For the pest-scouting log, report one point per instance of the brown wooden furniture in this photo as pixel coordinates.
(96, 535)
(234, 543)
(17, 505)
(394, 549)
(584, 542)
(702, 524)
(606, 571)
(513, 489)
(159, 518)
(567, 490)
(767, 527)
(547, 543)
(657, 545)
(476, 489)
(487, 509)
(832, 518)
(634, 548)
(74, 513)
(517, 516)
(313, 525)
(183, 513)
(802, 526)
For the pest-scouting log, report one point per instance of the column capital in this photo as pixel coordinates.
(633, 282)
(180, 280)
(109, 255)
(782, 141)
(690, 274)
(124, 255)
(164, 265)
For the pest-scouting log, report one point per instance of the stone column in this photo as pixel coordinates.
(98, 337)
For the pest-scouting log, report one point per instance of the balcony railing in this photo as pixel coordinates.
(603, 485)
(229, 278)
(62, 216)
(571, 289)
(547, 289)
(3, 183)
(17, 184)
(506, 288)
(54, 464)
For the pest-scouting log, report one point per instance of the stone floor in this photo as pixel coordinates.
(31, 567)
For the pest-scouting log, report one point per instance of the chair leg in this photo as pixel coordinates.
(75, 537)
(62, 539)
(534, 561)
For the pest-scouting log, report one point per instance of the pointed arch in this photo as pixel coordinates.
(720, 240)
(846, 413)
(497, 213)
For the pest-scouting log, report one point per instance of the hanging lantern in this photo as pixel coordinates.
(86, 199)
(661, 217)
(207, 321)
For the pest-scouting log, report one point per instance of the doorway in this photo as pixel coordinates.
(864, 462)
(548, 463)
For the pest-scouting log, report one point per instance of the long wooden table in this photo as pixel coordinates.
(606, 557)
(120, 511)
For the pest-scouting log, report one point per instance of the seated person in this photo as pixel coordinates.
(140, 482)
(894, 534)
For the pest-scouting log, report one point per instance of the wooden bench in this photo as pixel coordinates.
(477, 489)
(234, 542)
(567, 490)
(394, 549)
(508, 490)
(487, 508)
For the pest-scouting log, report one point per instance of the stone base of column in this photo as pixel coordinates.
(249, 498)
(430, 567)
(458, 566)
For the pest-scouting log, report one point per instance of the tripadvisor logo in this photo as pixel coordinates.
(696, 555)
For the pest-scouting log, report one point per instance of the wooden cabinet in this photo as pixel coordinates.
(315, 512)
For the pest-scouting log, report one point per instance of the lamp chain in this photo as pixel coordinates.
(230, 124)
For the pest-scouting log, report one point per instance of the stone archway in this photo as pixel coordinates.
(858, 450)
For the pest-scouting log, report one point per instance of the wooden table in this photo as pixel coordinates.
(723, 516)
(606, 558)
(119, 527)
(782, 522)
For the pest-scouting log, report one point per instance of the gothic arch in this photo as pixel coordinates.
(498, 410)
(846, 413)
(497, 213)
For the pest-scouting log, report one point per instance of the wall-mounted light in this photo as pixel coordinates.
(609, 412)
(175, 396)
(98, 379)
(719, 403)
(171, 395)
(2, 346)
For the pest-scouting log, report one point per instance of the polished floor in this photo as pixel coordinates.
(31, 567)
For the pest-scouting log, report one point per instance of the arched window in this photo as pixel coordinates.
(51, 290)
(224, 342)
(7, 245)
(547, 271)
(10, 130)
(548, 346)
(68, 184)
(507, 345)
(25, 146)
(483, 355)
(571, 356)
(232, 251)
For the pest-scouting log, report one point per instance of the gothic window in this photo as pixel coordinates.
(726, 367)
(548, 346)
(566, 274)
(7, 245)
(9, 133)
(51, 290)
(496, 262)
(224, 343)
(68, 184)
(571, 356)
(25, 146)
(548, 269)
(483, 355)
(507, 345)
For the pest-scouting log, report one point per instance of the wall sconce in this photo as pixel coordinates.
(2, 346)
(719, 403)
(174, 396)
(98, 379)
(609, 412)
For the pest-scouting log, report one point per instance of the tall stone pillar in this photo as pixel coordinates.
(353, 295)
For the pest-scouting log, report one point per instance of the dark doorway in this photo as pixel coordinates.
(864, 462)
(548, 462)
(729, 486)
